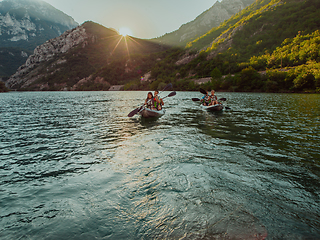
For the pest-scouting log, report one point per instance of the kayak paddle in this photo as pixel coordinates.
(135, 111)
(168, 86)
(203, 91)
(197, 99)
(170, 95)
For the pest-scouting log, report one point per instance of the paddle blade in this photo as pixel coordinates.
(222, 99)
(169, 86)
(195, 99)
(203, 91)
(134, 112)
(172, 94)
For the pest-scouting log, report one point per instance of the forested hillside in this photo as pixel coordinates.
(270, 46)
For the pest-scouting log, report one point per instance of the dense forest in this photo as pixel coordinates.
(271, 46)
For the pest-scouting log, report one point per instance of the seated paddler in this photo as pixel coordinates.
(205, 100)
(149, 102)
(158, 102)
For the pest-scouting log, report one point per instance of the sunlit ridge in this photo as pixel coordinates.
(124, 31)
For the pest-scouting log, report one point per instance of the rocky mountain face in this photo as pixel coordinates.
(209, 19)
(86, 56)
(25, 24)
(46, 52)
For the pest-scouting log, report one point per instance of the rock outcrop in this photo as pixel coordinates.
(26, 24)
(29, 20)
(44, 53)
(88, 57)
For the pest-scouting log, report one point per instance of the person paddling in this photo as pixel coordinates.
(149, 102)
(157, 102)
(205, 100)
(213, 98)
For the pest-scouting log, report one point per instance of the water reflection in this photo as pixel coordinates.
(77, 162)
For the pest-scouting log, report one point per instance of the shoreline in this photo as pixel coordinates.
(140, 90)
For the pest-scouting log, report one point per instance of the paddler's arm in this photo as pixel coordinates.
(157, 99)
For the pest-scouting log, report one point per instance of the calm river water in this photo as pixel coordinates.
(74, 166)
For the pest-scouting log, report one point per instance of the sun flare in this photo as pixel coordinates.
(124, 31)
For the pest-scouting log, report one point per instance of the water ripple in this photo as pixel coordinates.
(74, 166)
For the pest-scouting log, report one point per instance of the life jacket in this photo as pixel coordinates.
(150, 103)
(155, 103)
(214, 96)
(206, 99)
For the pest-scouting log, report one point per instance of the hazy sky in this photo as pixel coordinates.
(145, 18)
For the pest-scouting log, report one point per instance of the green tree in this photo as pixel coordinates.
(247, 77)
(215, 73)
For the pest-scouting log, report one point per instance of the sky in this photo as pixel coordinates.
(140, 18)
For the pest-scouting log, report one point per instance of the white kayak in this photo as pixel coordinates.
(213, 108)
(150, 113)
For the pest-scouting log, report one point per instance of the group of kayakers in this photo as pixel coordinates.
(152, 106)
(209, 100)
(153, 101)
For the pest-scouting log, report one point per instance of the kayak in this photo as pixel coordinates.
(213, 108)
(149, 113)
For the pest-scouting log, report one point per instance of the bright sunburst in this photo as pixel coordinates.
(124, 31)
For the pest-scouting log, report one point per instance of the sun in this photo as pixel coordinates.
(124, 31)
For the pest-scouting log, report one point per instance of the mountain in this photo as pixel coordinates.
(262, 26)
(271, 45)
(88, 57)
(209, 19)
(11, 59)
(25, 24)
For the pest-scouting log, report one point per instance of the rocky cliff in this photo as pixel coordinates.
(24, 25)
(88, 57)
(30, 71)
(31, 21)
